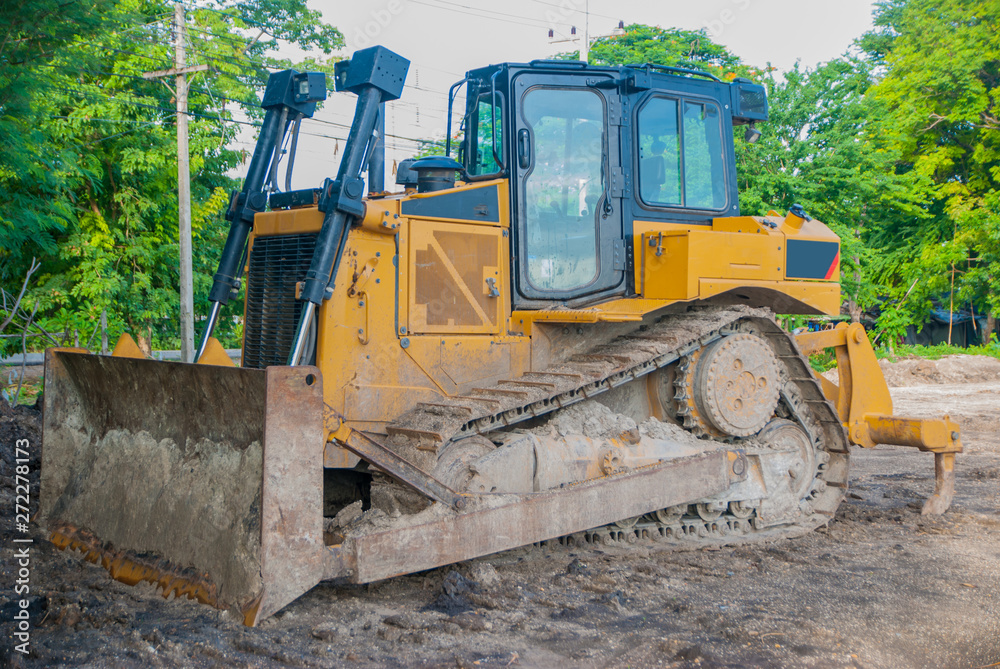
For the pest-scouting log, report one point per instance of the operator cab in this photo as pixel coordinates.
(588, 151)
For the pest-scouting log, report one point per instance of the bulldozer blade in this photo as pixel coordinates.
(203, 480)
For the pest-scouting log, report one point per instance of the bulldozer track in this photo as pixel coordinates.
(673, 339)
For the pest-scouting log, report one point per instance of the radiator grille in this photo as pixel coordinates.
(276, 265)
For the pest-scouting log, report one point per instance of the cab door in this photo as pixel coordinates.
(566, 166)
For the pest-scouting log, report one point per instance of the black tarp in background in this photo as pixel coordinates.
(965, 330)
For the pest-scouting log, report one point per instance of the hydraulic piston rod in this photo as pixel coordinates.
(376, 75)
(289, 95)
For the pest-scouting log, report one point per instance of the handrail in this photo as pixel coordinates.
(451, 99)
(553, 62)
(493, 120)
(670, 69)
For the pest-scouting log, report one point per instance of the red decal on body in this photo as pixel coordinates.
(833, 266)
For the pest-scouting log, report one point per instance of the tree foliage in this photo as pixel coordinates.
(89, 184)
(939, 93)
(691, 49)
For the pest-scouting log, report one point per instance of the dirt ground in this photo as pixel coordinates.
(880, 586)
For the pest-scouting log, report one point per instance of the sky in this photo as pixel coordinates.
(445, 38)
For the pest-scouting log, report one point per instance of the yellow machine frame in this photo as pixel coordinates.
(865, 408)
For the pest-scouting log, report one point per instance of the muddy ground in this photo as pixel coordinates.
(880, 586)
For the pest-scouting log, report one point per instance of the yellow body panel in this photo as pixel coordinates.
(287, 222)
(673, 264)
(127, 348)
(676, 262)
(455, 284)
(215, 354)
(390, 338)
(864, 406)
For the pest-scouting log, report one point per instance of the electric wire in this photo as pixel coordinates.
(191, 114)
(234, 59)
(592, 13)
(479, 15)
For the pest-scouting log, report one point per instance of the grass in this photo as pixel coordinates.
(938, 351)
(823, 361)
(30, 389)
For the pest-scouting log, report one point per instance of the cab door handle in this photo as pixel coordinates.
(524, 148)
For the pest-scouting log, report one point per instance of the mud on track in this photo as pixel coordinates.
(880, 586)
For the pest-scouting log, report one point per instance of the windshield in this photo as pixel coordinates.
(681, 161)
(563, 187)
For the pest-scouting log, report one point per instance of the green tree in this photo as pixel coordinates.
(939, 94)
(36, 169)
(822, 148)
(818, 148)
(107, 228)
(691, 49)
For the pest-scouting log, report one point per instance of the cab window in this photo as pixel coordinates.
(482, 160)
(681, 154)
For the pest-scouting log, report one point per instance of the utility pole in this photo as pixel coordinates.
(180, 72)
(584, 43)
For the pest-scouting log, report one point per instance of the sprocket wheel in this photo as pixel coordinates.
(729, 388)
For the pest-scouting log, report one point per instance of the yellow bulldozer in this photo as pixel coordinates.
(567, 333)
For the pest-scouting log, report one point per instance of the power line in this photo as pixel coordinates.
(105, 120)
(552, 4)
(248, 42)
(236, 60)
(228, 38)
(438, 69)
(229, 16)
(248, 123)
(252, 104)
(479, 12)
(124, 132)
(247, 103)
(264, 29)
(161, 61)
(481, 16)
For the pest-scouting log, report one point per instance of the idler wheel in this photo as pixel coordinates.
(672, 514)
(784, 435)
